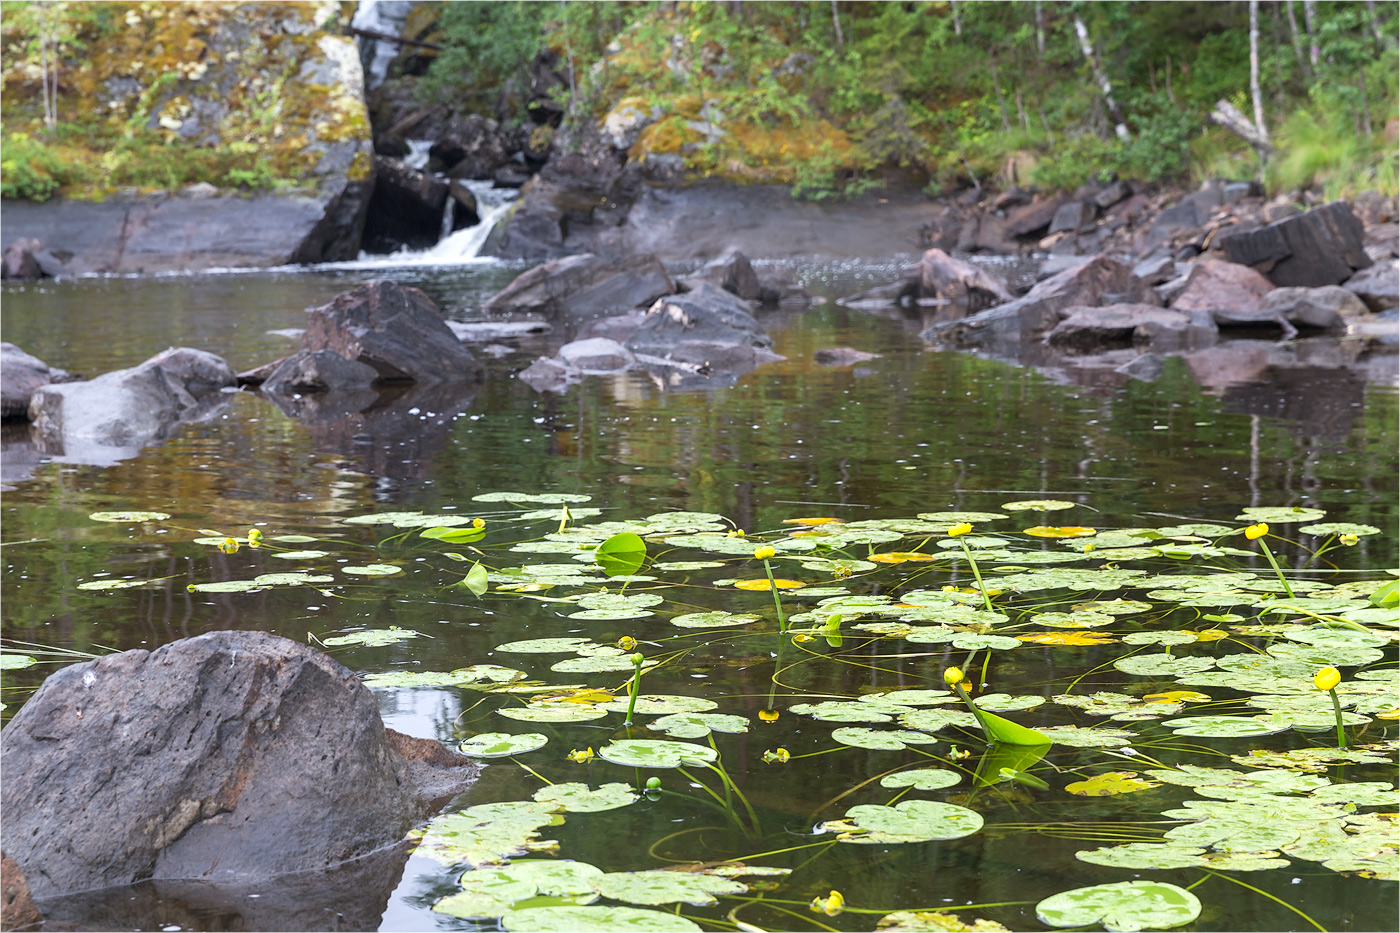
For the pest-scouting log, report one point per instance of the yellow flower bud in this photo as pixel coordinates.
(1327, 678)
(961, 528)
(953, 675)
(763, 553)
(254, 537)
(581, 757)
(781, 756)
(478, 523)
(1349, 540)
(768, 715)
(1254, 532)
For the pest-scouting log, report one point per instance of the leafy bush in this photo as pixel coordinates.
(29, 169)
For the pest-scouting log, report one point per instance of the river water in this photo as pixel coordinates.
(910, 431)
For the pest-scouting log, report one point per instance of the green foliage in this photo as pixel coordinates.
(29, 169)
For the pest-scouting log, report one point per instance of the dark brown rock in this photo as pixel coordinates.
(1091, 330)
(581, 288)
(397, 331)
(16, 906)
(1322, 247)
(470, 146)
(26, 259)
(20, 376)
(1097, 281)
(1229, 292)
(230, 757)
(1074, 216)
(941, 276)
(1032, 219)
(733, 273)
(406, 208)
(318, 371)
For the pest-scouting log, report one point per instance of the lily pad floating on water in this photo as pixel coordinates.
(955, 517)
(477, 673)
(905, 822)
(922, 779)
(577, 798)
(117, 584)
(547, 645)
(1224, 727)
(662, 704)
(367, 570)
(554, 712)
(374, 637)
(548, 498)
(1038, 505)
(716, 619)
(1110, 783)
(488, 834)
(880, 739)
(1340, 528)
(16, 662)
(1279, 514)
(933, 921)
(302, 555)
(656, 753)
(666, 887)
(1126, 906)
(502, 744)
(698, 725)
(594, 919)
(131, 517)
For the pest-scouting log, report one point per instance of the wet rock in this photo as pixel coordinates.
(706, 315)
(1315, 308)
(1032, 219)
(880, 297)
(486, 331)
(617, 327)
(581, 288)
(596, 355)
(549, 375)
(1092, 330)
(395, 330)
(572, 192)
(1232, 294)
(1378, 286)
(1145, 368)
(1322, 247)
(20, 376)
(26, 259)
(230, 757)
(406, 208)
(112, 417)
(317, 371)
(16, 906)
(941, 276)
(1074, 216)
(842, 356)
(733, 273)
(1095, 282)
(776, 285)
(470, 146)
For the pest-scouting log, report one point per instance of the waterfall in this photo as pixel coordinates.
(454, 248)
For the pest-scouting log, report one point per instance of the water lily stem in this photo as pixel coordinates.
(633, 688)
(986, 600)
(1274, 563)
(986, 730)
(777, 602)
(1337, 710)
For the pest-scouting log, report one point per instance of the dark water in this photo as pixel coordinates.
(911, 431)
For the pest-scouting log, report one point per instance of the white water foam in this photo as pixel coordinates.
(457, 248)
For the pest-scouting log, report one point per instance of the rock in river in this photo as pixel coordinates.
(231, 757)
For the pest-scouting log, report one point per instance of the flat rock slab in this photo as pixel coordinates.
(584, 287)
(230, 757)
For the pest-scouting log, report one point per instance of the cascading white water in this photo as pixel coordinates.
(454, 248)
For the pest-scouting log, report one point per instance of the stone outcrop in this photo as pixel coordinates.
(686, 326)
(1158, 330)
(231, 757)
(941, 276)
(406, 209)
(1232, 294)
(26, 260)
(584, 287)
(1321, 247)
(1378, 286)
(113, 416)
(21, 375)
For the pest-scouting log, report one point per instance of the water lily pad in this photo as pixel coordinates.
(305, 555)
(549, 498)
(1125, 906)
(716, 619)
(594, 919)
(1096, 737)
(1159, 638)
(879, 739)
(1073, 639)
(932, 720)
(1279, 514)
(1038, 505)
(489, 834)
(224, 586)
(381, 518)
(656, 753)
(666, 887)
(1072, 620)
(1003, 702)
(662, 704)
(15, 662)
(553, 713)
(1340, 528)
(933, 921)
(698, 725)
(1162, 665)
(374, 637)
(850, 711)
(117, 584)
(501, 744)
(129, 517)
(1059, 531)
(683, 565)
(906, 822)
(547, 645)
(922, 779)
(293, 578)
(577, 798)
(1231, 727)
(477, 673)
(955, 517)
(611, 615)
(1110, 783)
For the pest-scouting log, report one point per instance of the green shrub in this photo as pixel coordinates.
(29, 169)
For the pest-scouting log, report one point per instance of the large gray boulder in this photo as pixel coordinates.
(1325, 308)
(1160, 330)
(20, 376)
(584, 287)
(113, 416)
(1097, 281)
(1378, 286)
(1322, 247)
(732, 272)
(1231, 293)
(396, 331)
(231, 757)
(942, 276)
(706, 315)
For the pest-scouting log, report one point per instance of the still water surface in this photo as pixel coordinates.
(911, 431)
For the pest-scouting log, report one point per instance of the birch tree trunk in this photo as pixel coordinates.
(1293, 33)
(957, 20)
(836, 21)
(1120, 125)
(1310, 24)
(1039, 32)
(1259, 123)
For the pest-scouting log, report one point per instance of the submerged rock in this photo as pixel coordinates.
(231, 757)
(584, 287)
(21, 375)
(705, 315)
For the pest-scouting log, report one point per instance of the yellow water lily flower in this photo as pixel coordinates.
(1327, 678)
(229, 545)
(831, 905)
(761, 585)
(961, 528)
(627, 642)
(1254, 532)
(1349, 540)
(763, 553)
(582, 756)
(768, 715)
(255, 538)
(478, 523)
(781, 756)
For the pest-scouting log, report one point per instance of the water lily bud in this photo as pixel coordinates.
(653, 783)
(255, 537)
(763, 553)
(637, 659)
(478, 523)
(961, 528)
(1349, 540)
(768, 715)
(1254, 532)
(781, 756)
(953, 675)
(1327, 678)
(581, 756)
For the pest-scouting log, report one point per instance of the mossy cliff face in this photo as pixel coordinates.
(153, 97)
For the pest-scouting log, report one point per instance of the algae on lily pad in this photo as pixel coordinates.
(374, 637)
(656, 753)
(906, 822)
(501, 744)
(922, 779)
(1126, 906)
(578, 798)
(666, 887)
